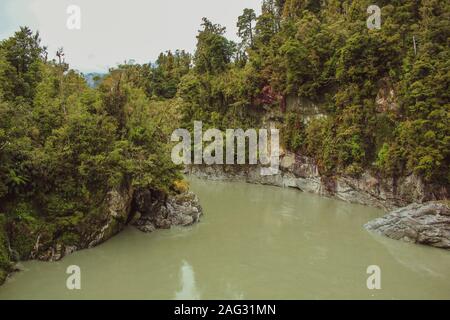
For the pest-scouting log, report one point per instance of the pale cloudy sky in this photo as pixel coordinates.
(113, 31)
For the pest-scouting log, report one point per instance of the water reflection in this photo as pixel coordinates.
(255, 242)
(189, 289)
(420, 260)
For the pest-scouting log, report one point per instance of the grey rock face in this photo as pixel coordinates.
(118, 206)
(427, 224)
(148, 210)
(153, 210)
(178, 210)
(302, 173)
(111, 221)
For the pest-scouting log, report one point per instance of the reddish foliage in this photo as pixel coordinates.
(268, 97)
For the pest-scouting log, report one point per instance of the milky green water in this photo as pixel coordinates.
(255, 242)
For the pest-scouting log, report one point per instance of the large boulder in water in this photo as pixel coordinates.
(157, 212)
(427, 224)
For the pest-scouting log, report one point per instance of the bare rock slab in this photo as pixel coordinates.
(175, 210)
(427, 224)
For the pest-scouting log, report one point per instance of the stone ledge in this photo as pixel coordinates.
(427, 224)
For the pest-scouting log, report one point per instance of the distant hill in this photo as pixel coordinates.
(93, 79)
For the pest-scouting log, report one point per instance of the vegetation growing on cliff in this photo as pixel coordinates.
(384, 104)
(323, 52)
(64, 145)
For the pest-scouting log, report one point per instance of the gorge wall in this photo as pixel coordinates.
(148, 210)
(303, 174)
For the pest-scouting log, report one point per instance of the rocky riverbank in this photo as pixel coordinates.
(423, 222)
(154, 213)
(303, 174)
(148, 210)
(427, 224)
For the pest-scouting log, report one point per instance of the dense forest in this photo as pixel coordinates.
(64, 144)
(323, 52)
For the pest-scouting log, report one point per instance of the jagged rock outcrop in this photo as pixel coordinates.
(93, 231)
(148, 210)
(427, 224)
(151, 210)
(156, 212)
(302, 173)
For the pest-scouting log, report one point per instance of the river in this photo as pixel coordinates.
(254, 242)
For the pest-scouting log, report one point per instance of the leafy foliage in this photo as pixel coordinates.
(384, 93)
(64, 145)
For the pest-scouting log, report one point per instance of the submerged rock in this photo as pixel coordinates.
(156, 212)
(427, 224)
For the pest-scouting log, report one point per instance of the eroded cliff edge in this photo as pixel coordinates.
(416, 215)
(302, 173)
(148, 210)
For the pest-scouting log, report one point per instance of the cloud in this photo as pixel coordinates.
(116, 31)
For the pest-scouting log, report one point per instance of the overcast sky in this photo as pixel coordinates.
(113, 31)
